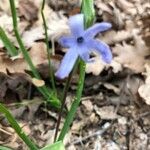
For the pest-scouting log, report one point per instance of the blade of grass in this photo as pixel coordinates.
(11, 50)
(51, 74)
(56, 146)
(17, 128)
(50, 97)
(4, 148)
(89, 17)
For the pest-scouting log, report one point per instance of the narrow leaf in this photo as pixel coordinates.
(56, 146)
(9, 46)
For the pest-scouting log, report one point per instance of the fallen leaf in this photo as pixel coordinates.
(28, 10)
(37, 82)
(127, 52)
(38, 54)
(106, 112)
(95, 67)
(144, 92)
(124, 4)
(145, 88)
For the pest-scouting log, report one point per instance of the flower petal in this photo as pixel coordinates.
(103, 49)
(85, 57)
(95, 29)
(67, 63)
(84, 52)
(76, 24)
(66, 41)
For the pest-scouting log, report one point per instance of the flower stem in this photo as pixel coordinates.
(17, 128)
(75, 104)
(89, 17)
(62, 105)
(51, 74)
(64, 99)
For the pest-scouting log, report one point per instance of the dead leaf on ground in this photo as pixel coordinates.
(106, 112)
(28, 9)
(37, 82)
(132, 56)
(38, 54)
(144, 90)
(95, 67)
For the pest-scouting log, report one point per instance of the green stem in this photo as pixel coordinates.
(45, 92)
(65, 90)
(75, 103)
(89, 17)
(17, 128)
(48, 50)
(62, 105)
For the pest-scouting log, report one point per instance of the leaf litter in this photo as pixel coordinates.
(116, 95)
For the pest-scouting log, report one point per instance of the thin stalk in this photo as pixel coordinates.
(51, 74)
(89, 18)
(65, 90)
(62, 106)
(17, 128)
(45, 92)
(75, 104)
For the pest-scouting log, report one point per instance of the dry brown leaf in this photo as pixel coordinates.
(118, 36)
(95, 67)
(116, 67)
(17, 65)
(28, 10)
(88, 106)
(5, 6)
(56, 27)
(6, 22)
(132, 56)
(98, 65)
(37, 53)
(29, 37)
(144, 90)
(106, 112)
(127, 7)
(112, 87)
(37, 82)
(57, 24)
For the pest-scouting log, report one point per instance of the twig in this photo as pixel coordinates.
(97, 133)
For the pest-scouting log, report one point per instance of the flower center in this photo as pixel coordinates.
(80, 39)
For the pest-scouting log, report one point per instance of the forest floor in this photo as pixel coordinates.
(114, 113)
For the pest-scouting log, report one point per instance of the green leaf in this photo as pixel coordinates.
(17, 128)
(48, 95)
(9, 46)
(4, 148)
(56, 146)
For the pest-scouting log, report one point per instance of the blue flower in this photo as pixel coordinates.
(80, 44)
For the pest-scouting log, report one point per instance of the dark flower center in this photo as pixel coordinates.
(80, 39)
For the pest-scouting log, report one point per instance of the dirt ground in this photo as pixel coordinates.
(114, 113)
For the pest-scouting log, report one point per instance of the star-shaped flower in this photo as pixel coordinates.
(80, 43)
